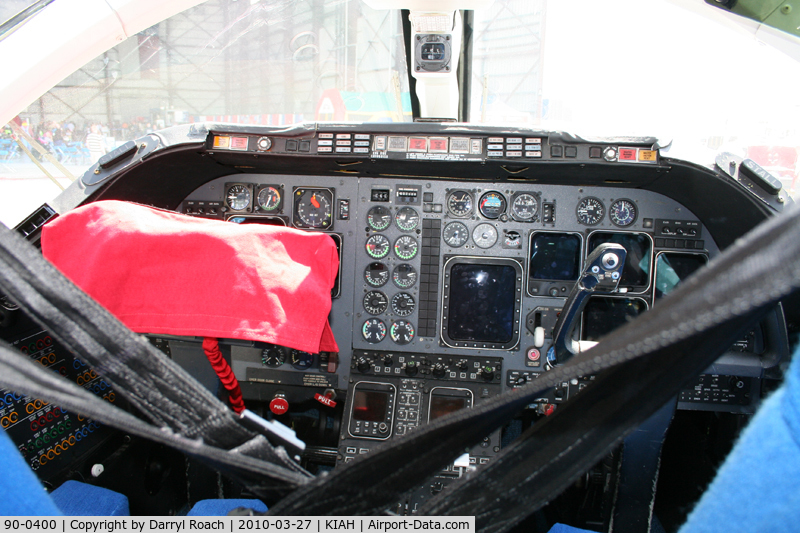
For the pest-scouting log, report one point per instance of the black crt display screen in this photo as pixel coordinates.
(555, 257)
(370, 406)
(603, 315)
(442, 405)
(673, 268)
(481, 303)
(636, 271)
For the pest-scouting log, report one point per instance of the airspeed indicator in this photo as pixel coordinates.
(238, 197)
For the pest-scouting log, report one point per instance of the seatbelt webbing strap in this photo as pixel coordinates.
(21, 374)
(155, 385)
(751, 275)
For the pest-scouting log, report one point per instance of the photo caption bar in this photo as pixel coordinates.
(282, 524)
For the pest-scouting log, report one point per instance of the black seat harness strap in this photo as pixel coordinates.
(736, 291)
(23, 375)
(752, 275)
(156, 386)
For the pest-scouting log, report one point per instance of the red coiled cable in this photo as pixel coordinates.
(225, 373)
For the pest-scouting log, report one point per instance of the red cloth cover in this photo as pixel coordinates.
(166, 273)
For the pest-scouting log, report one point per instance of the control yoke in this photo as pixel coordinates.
(602, 274)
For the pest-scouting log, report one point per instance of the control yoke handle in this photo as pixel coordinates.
(602, 274)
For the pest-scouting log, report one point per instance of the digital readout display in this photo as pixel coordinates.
(481, 303)
(555, 257)
(370, 406)
(443, 405)
(673, 268)
(603, 315)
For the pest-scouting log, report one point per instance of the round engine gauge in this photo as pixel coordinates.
(269, 198)
(378, 246)
(407, 219)
(590, 211)
(492, 204)
(405, 247)
(379, 218)
(375, 302)
(376, 274)
(524, 207)
(484, 235)
(313, 208)
(373, 330)
(459, 203)
(302, 360)
(456, 234)
(402, 332)
(403, 304)
(273, 357)
(238, 197)
(404, 276)
(622, 213)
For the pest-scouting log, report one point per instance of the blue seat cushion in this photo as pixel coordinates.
(223, 507)
(74, 498)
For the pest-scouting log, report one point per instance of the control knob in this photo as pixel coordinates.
(439, 370)
(411, 368)
(462, 365)
(279, 405)
(388, 360)
(736, 382)
(363, 365)
(487, 373)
